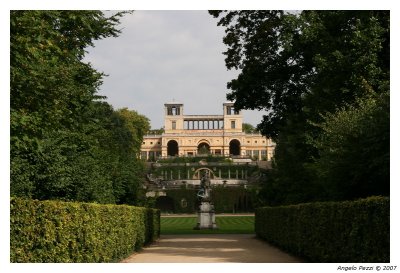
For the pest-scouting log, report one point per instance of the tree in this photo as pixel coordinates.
(156, 131)
(128, 130)
(287, 60)
(65, 143)
(354, 149)
(50, 85)
(248, 128)
(300, 67)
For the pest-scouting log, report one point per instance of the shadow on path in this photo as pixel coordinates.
(211, 248)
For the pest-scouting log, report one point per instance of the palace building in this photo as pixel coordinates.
(190, 135)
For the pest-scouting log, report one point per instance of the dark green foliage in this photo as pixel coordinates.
(350, 231)
(156, 131)
(152, 224)
(64, 232)
(65, 143)
(354, 150)
(301, 67)
(225, 200)
(232, 199)
(50, 85)
(293, 63)
(248, 128)
(189, 195)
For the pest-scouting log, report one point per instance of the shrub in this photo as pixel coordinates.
(350, 231)
(55, 231)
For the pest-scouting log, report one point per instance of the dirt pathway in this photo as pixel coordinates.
(211, 248)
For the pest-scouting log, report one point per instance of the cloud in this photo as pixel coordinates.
(165, 55)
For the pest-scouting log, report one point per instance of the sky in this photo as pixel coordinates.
(165, 56)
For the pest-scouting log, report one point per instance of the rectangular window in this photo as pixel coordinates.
(174, 125)
(173, 111)
(231, 111)
(233, 124)
(228, 110)
(255, 153)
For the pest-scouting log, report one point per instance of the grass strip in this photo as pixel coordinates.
(226, 225)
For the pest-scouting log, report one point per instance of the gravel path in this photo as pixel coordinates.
(211, 248)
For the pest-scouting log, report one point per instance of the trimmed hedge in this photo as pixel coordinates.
(350, 231)
(232, 199)
(225, 200)
(56, 231)
(189, 195)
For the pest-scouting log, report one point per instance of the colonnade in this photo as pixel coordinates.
(234, 174)
(203, 124)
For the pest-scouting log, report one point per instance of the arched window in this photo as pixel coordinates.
(172, 148)
(203, 148)
(234, 147)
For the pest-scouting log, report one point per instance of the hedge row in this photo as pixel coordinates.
(350, 231)
(225, 200)
(55, 231)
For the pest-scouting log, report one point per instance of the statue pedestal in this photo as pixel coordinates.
(206, 216)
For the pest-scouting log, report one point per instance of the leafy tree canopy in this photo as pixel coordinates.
(248, 128)
(303, 63)
(66, 143)
(301, 67)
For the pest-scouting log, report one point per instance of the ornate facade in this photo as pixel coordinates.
(189, 135)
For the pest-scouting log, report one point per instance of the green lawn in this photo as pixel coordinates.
(226, 224)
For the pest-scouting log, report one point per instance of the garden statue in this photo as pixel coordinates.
(204, 192)
(206, 214)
